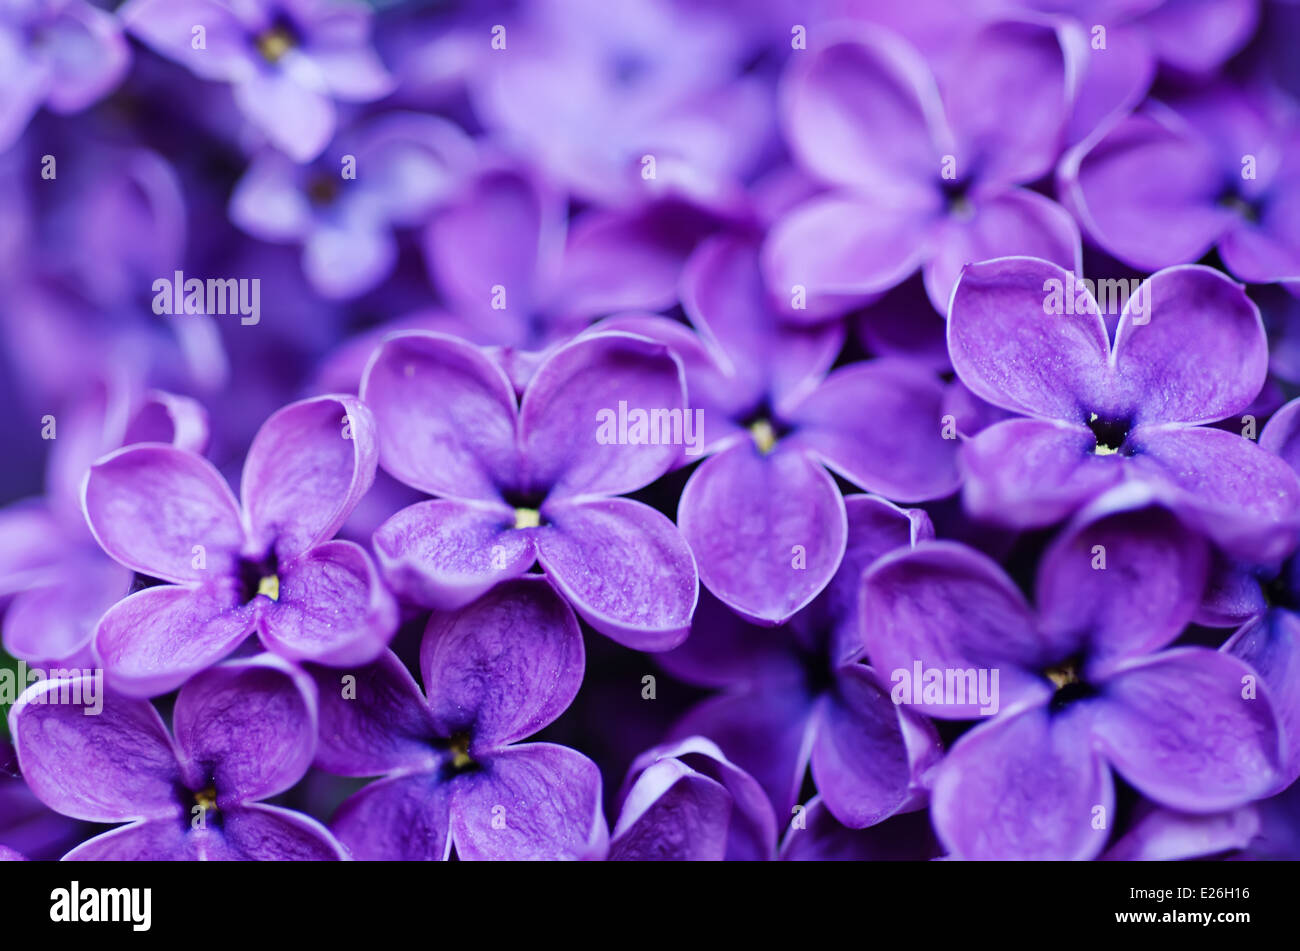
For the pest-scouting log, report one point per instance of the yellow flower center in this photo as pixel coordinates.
(270, 586)
(274, 43)
(527, 518)
(764, 435)
(206, 799)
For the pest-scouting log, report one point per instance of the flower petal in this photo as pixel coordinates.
(537, 801)
(109, 766)
(1124, 578)
(247, 727)
(1182, 304)
(152, 641)
(1017, 221)
(860, 760)
(879, 424)
(151, 507)
(759, 355)
(1009, 68)
(402, 818)
(260, 833)
(153, 840)
(1147, 191)
(1024, 786)
(842, 248)
(1028, 472)
(1178, 727)
(445, 553)
(1271, 645)
(672, 814)
(307, 468)
(332, 608)
(446, 415)
(504, 667)
(624, 567)
(862, 111)
(945, 607)
(1010, 349)
(767, 530)
(571, 419)
(765, 729)
(1225, 485)
(373, 720)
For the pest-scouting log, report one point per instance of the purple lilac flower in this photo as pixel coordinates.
(57, 579)
(62, 54)
(525, 481)
(512, 272)
(288, 61)
(243, 732)
(763, 516)
(685, 801)
(1096, 413)
(1216, 167)
(454, 772)
(796, 698)
(1265, 598)
(921, 176)
(404, 165)
(591, 89)
(267, 566)
(1127, 40)
(1086, 684)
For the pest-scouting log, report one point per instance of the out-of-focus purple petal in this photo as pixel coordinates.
(879, 424)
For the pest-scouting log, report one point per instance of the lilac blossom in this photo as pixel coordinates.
(527, 481)
(1215, 167)
(920, 175)
(1265, 600)
(242, 732)
(454, 772)
(62, 54)
(687, 802)
(1094, 413)
(268, 566)
(402, 166)
(288, 61)
(1086, 683)
(796, 698)
(762, 514)
(594, 89)
(514, 272)
(58, 581)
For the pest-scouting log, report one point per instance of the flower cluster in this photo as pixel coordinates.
(644, 429)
